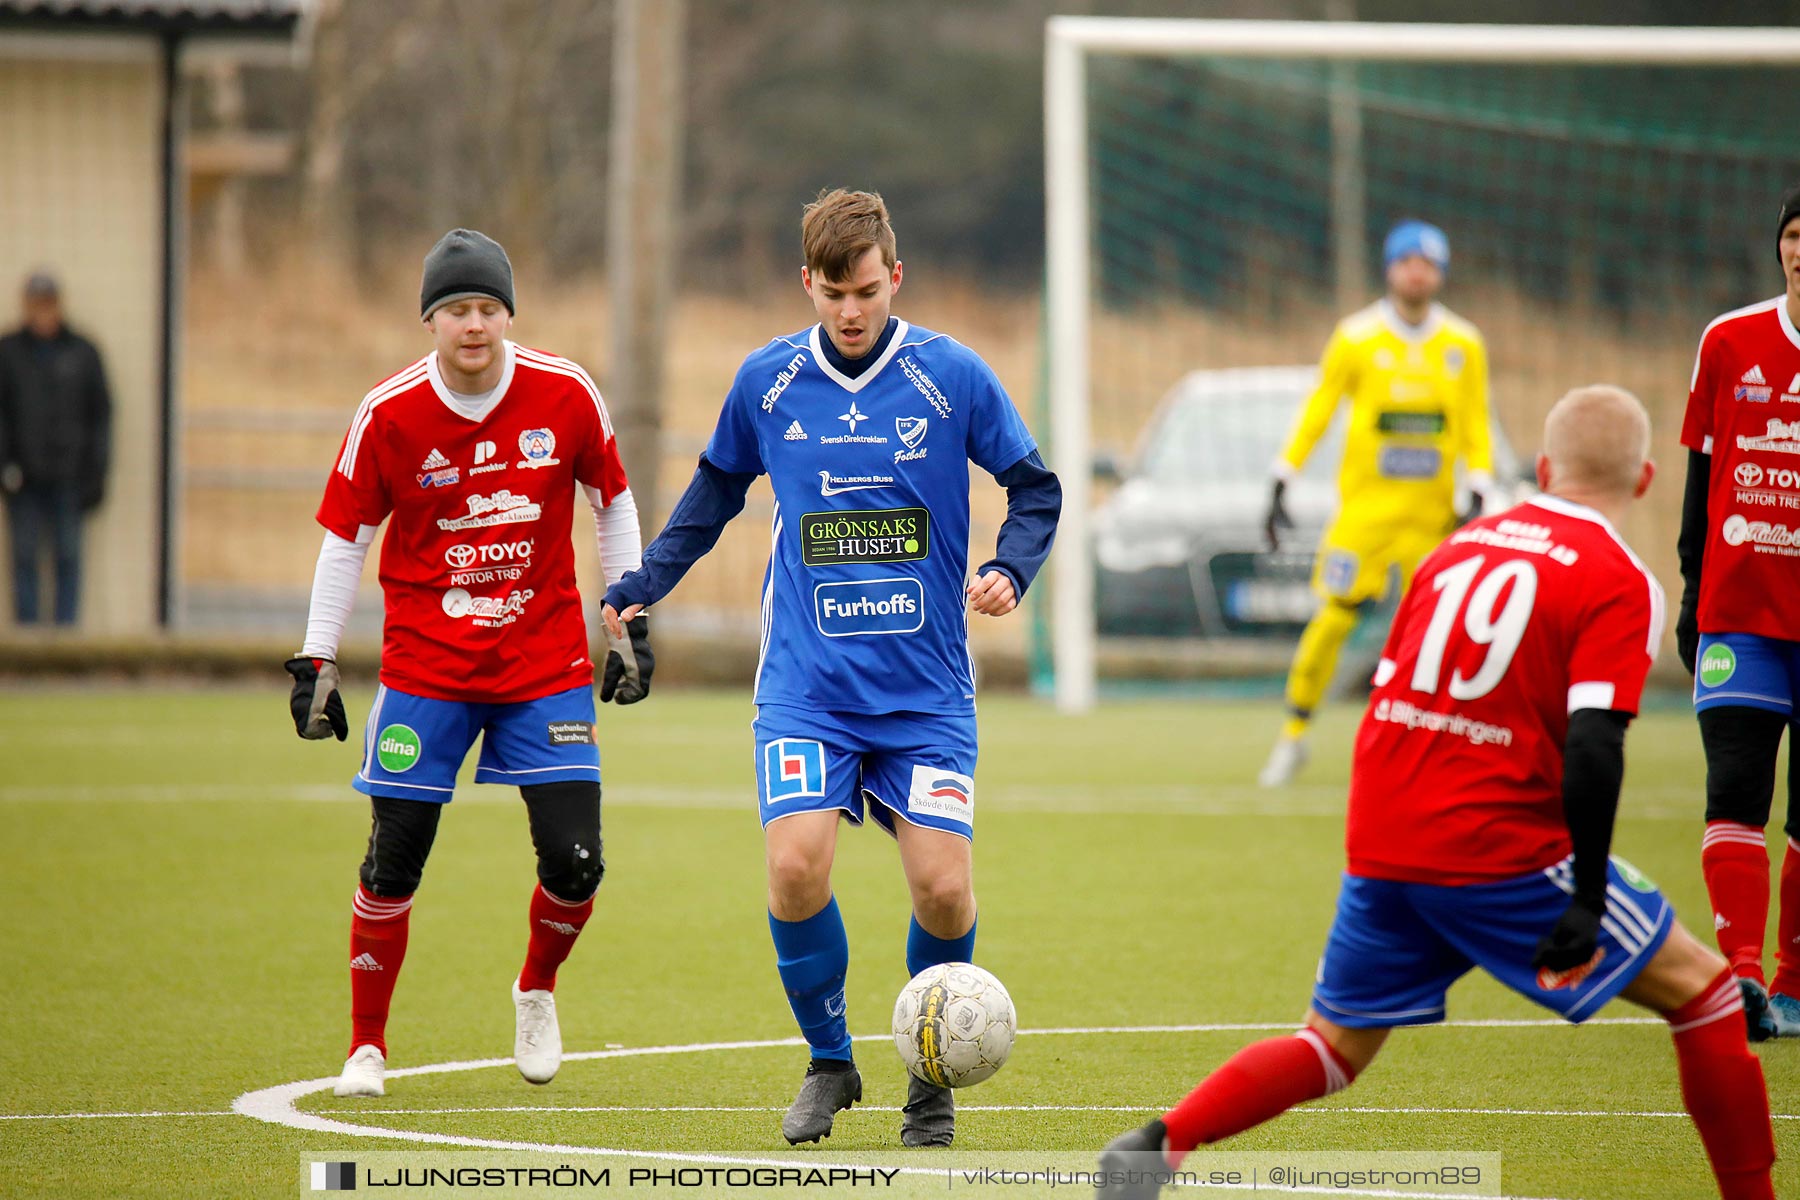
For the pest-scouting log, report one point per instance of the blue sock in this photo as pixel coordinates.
(924, 950)
(813, 956)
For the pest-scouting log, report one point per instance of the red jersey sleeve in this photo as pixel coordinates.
(356, 494)
(1615, 642)
(597, 464)
(1697, 423)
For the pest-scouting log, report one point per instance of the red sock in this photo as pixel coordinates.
(1723, 1089)
(1261, 1081)
(1787, 954)
(555, 924)
(377, 948)
(1735, 860)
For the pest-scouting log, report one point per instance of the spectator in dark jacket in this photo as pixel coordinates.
(55, 446)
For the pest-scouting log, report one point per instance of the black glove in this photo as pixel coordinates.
(1472, 512)
(629, 662)
(1687, 626)
(1277, 518)
(317, 707)
(1574, 939)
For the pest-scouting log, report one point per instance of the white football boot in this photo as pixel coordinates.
(537, 1045)
(364, 1074)
(1285, 761)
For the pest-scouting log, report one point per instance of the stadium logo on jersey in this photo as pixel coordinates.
(436, 471)
(488, 611)
(1717, 665)
(914, 372)
(865, 607)
(879, 535)
(794, 433)
(1779, 437)
(539, 448)
(1753, 387)
(940, 793)
(398, 749)
(502, 508)
(793, 769)
(911, 430)
(1764, 535)
(783, 377)
(832, 485)
(852, 419)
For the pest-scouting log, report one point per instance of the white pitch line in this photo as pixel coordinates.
(1024, 1108)
(108, 1116)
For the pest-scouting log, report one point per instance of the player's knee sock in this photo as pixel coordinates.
(927, 950)
(1316, 658)
(1261, 1081)
(1722, 1086)
(1787, 926)
(1735, 860)
(813, 957)
(555, 924)
(377, 948)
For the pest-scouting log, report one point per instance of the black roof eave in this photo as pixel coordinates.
(269, 25)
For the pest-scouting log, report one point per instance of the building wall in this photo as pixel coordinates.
(80, 120)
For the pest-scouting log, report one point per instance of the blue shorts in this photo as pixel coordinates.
(413, 746)
(1748, 670)
(1395, 948)
(919, 767)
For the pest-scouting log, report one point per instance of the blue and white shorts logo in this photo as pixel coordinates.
(539, 448)
(793, 769)
(869, 606)
(942, 793)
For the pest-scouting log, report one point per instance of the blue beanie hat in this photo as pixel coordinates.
(1416, 237)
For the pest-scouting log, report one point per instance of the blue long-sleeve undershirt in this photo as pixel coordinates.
(713, 497)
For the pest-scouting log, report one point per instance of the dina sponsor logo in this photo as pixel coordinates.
(928, 388)
(398, 749)
(783, 377)
(865, 536)
(503, 507)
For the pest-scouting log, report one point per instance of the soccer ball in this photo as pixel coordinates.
(954, 1025)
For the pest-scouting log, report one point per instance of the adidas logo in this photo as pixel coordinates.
(1753, 375)
(795, 433)
(437, 461)
(561, 927)
(364, 962)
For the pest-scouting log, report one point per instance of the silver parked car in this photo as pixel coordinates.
(1180, 544)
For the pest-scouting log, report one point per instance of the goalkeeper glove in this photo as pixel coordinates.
(1575, 938)
(1277, 518)
(629, 662)
(317, 707)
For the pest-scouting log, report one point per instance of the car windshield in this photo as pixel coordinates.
(1218, 439)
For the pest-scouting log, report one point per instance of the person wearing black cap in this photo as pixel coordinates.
(55, 447)
(1738, 631)
(473, 456)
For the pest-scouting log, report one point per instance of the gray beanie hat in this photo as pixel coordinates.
(465, 263)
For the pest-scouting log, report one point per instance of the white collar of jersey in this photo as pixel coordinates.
(861, 381)
(444, 393)
(1390, 316)
(1787, 322)
(1569, 508)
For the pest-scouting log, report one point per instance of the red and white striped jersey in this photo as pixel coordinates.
(477, 569)
(1516, 621)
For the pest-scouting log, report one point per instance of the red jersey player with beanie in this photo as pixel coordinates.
(472, 456)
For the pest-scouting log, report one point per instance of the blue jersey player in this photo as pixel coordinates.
(865, 691)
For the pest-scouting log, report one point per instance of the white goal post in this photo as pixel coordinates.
(1069, 41)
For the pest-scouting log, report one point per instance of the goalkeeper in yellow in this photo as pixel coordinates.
(1415, 375)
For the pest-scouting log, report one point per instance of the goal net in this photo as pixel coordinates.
(1217, 196)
